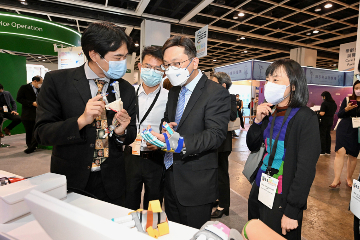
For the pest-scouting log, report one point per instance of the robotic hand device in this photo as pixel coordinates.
(174, 143)
(215, 230)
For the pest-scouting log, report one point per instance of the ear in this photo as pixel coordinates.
(139, 66)
(196, 62)
(293, 88)
(95, 57)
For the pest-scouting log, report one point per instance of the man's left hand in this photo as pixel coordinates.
(288, 224)
(124, 120)
(15, 113)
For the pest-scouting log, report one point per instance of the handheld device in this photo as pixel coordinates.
(353, 102)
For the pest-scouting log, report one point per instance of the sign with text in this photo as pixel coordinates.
(259, 70)
(347, 56)
(324, 77)
(237, 71)
(201, 38)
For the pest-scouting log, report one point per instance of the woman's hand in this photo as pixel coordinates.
(262, 110)
(350, 107)
(288, 224)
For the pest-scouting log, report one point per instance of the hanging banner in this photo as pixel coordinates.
(347, 56)
(237, 71)
(324, 77)
(201, 38)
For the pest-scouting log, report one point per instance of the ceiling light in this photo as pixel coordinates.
(245, 51)
(328, 5)
(214, 60)
(317, 9)
(309, 33)
(242, 38)
(316, 31)
(241, 14)
(235, 16)
(39, 57)
(44, 60)
(24, 3)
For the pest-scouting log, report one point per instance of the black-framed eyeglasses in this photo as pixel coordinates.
(174, 65)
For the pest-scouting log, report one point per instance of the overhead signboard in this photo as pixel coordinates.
(201, 38)
(324, 77)
(237, 71)
(347, 56)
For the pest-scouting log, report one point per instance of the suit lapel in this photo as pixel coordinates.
(193, 99)
(31, 90)
(82, 84)
(172, 108)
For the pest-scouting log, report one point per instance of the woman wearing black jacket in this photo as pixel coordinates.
(327, 112)
(296, 151)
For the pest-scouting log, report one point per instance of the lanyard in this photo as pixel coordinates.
(150, 108)
(273, 149)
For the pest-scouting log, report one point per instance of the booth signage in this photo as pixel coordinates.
(347, 55)
(237, 71)
(324, 77)
(201, 38)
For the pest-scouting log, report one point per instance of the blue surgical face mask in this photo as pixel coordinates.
(151, 77)
(117, 69)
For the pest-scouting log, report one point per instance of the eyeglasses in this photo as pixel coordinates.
(148, 67)
(174, 65)
(161, 72)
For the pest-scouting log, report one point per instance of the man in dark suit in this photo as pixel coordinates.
(8, 109)
(71, 118)
(27, 95)
(199, 110)
(223, 153)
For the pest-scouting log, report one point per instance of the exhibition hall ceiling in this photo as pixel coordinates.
(239, 30)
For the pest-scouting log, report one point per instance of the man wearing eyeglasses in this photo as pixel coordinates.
(198, 111)
(144, 164)
(72, 118)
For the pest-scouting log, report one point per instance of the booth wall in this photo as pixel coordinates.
(13, 75)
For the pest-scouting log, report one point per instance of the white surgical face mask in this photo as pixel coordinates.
(274, 93)
(39, 85)
(178, 77)
(357, 93)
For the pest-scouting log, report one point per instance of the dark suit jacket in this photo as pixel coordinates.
(61, 101)
(226, 146)
(26, 96)
(10, 101)
(203, 126)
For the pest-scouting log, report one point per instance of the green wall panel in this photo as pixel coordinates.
(12, 76)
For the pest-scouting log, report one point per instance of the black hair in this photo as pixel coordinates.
(353, 96)
(181, 41)
(153, 51)
(237, 95)
(328, 97)
(104, 37)
(36, 78)
(300, 95)
(223, 78)
(1, 86)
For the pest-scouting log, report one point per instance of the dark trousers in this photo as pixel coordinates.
(325, 137)
(192, 216)
(95, 186)
(241, 119)
(356, 229)
(15, 119)
(139, 171)
(224, 180)
(271, 217)
(29, 128)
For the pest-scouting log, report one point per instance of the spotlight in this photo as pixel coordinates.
(39, 57)
(241, 14)
(245, 51)
(235, 16)
(316, 31)
(328, 5)
(317, 9)
(242, 38)
(44, 60)
(214, 60)
(309, 33)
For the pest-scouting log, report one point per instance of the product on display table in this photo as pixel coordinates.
(12, 203)
(215, 230)
(153, 221)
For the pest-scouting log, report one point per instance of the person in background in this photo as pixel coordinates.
(27, 95)
(327, 112)
(291, 136)
(8, 109)
(223, 153)
(147, 167)
(240, 107)
(167, 84)
(347, 137)
(72, 118)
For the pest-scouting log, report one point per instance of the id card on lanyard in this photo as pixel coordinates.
(268, 184)
(136, 145)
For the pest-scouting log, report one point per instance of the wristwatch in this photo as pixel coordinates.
(120, 138)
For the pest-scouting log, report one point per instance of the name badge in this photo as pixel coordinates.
(267, 190)
(136, 146)
(356, 122)
(355, 198)
(5, 108)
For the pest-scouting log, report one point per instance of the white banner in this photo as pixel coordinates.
(70, 57)
(201, 38)
(347, 56)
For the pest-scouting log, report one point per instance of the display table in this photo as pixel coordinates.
(27, 228)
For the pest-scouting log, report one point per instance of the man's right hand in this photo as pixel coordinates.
(34, 104)
(93, 109)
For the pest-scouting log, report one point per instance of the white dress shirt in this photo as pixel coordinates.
(90, 75)
(156, 113)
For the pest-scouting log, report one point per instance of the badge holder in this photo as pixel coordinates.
(5, 109)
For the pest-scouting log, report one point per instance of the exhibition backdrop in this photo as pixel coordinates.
(13, 75)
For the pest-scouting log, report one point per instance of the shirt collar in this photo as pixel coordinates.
(90, 75)
(141, 90)
(191, 85)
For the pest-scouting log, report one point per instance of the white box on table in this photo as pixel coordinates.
(12, 203)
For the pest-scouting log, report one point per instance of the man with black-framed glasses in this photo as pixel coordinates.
(198, 111)
(145, 164)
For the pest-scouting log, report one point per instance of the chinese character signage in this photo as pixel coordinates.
(324, 77)
(347, 56)
(201, 37)
(237, 71)
(259, 70)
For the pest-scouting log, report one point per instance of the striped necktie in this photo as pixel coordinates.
(168, 159)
